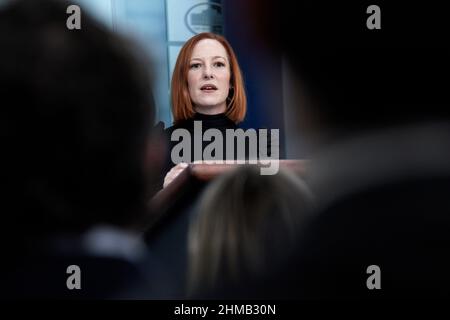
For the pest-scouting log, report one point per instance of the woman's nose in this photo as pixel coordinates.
(207, 73)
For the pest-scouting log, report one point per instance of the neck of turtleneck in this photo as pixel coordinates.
(214, 120)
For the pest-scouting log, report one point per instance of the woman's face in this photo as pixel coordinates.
(209, 77)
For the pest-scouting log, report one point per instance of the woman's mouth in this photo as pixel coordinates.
(208, 88)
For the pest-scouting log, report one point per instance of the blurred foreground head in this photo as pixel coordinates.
(381, 193)
(350, 78)
(75, 118)
(246, 224)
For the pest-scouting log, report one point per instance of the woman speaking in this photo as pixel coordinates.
(207, 86)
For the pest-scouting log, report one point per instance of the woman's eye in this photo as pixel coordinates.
(219, 64)
(195, 66)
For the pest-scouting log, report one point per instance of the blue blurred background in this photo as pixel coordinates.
(162, 26)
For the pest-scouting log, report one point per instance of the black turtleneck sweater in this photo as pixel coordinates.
(216, 121)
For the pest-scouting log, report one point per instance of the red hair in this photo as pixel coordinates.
(182, 107)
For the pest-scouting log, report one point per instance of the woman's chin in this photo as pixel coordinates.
(210, 109)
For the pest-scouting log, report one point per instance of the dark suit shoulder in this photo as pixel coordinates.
(185, 124)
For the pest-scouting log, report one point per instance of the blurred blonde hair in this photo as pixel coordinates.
(243, 220)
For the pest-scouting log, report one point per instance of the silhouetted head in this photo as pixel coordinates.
(75, 121)
(246, 224)
(352, 78)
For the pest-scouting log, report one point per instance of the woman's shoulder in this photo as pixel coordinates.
(220, 123)
(160, 129)
(185, 124)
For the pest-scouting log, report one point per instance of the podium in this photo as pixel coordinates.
(188, 184)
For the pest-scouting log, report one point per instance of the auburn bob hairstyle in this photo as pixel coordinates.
(182, 107)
